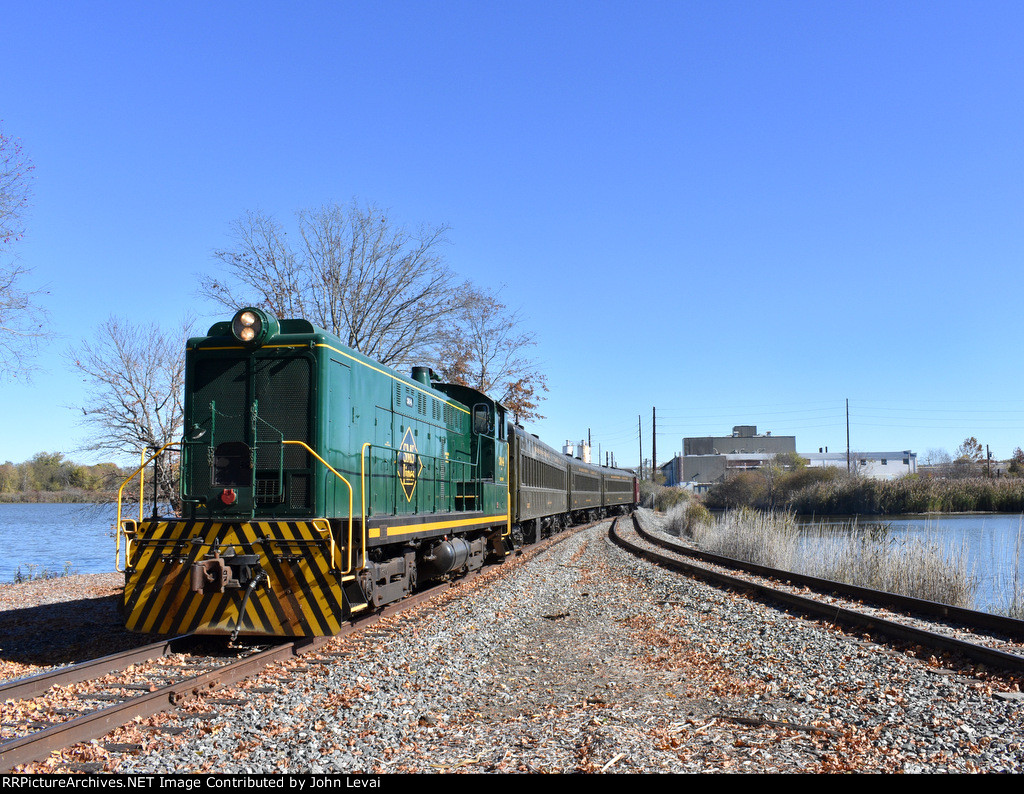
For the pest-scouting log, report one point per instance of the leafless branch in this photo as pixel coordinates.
(134, 381)
(22, 318)
(15, 189)
(485, 347)
(384, 290)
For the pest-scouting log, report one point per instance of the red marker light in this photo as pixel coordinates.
(227, 496)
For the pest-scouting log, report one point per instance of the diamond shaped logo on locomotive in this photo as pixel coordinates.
(409, 464)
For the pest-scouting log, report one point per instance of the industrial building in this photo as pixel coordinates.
(710, 459)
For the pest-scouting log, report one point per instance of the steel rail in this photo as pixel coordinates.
(1011, 627)
(95, 724)
(23, 688)
(831, 612)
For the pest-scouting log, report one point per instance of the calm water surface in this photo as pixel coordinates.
(49, 536)
(992, 546)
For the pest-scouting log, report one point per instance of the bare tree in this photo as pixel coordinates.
(15, 190)
(22, 320)
(135, 377)
(486, 348)
(936, 456)
(940, 462)
(385, 291)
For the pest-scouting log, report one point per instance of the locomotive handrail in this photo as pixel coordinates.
(120, 493)
(329, 531)
(127, 542)
(142, 485)
(453, 465)
(362, 496)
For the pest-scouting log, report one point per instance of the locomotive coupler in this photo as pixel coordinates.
(216, 573)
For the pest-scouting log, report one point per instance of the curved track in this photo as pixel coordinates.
(977, 636)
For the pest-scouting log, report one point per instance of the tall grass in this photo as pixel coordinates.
(830, 491)
(1013, 600)
(688, 517)
(859, 495)
(916, 566)
(920, 566)
(36, 573)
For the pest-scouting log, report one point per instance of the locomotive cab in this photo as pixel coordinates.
(250, 385)
(488, 444)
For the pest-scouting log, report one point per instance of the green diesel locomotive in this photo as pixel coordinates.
(318, 484)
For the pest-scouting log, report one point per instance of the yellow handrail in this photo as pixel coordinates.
(348, 485)
(142, 484)
(506, 532)
(120, 494)
(508, 512)
(127, 543)
(362, 493)
(329, 534)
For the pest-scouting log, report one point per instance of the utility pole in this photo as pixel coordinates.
(640, 435)
(654, 443)
(847, 435)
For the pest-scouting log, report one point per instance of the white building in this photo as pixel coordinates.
(878, 465)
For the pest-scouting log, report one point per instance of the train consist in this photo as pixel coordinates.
(318, 484)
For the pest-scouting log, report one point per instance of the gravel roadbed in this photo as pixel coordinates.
(48, 623)
(586, 660)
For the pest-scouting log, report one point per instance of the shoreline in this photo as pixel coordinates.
(58, 589)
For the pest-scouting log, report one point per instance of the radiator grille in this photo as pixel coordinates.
(218, 408)
(281, 389)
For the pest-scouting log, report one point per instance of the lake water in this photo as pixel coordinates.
(992, 546)
(50, 536)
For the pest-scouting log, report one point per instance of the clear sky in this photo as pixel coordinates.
(733, 212)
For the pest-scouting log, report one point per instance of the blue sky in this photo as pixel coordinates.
(735, 212)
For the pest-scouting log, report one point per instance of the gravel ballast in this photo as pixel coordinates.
(587, 660)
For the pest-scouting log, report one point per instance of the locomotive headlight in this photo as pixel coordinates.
(246, 325)
(253, 326)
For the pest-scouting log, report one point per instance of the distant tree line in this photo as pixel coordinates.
(50, 477)
(910, 494)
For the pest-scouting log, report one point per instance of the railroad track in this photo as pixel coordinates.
(978, 637)
(86, 701)
(112, 691)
